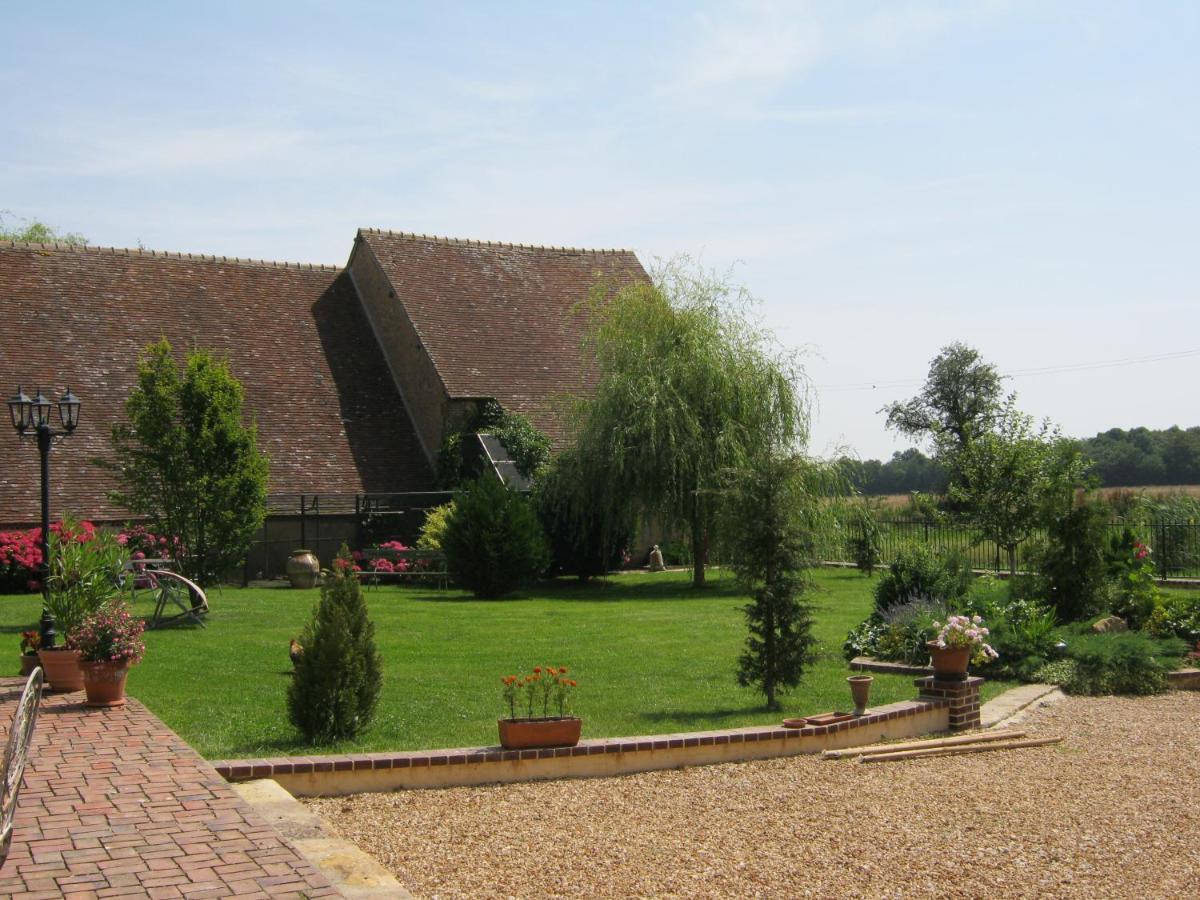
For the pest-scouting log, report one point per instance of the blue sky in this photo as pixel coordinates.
(886, 177)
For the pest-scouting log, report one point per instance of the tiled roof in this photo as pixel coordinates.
(498, 319)
(328, 414)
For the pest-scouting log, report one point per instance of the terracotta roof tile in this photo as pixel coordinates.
(498, 319)
(328, 414)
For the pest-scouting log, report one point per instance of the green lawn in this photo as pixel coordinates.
(651, 655)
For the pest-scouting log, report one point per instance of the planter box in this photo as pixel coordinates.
(521, 734)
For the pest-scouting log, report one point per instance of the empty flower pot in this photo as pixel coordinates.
(860, 689)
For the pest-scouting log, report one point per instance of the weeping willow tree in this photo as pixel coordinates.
(687, 385)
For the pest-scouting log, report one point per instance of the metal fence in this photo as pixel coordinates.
(1175, 546)
(323, 522)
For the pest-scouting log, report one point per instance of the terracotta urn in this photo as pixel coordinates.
(63, 673)
(303, 567)
(519, 734)
(860, 689)
(29, 662)
(949, 663)
(105, 683)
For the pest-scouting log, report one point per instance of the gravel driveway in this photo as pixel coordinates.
(1114, 811)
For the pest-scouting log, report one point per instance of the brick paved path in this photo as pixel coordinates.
(115, 804)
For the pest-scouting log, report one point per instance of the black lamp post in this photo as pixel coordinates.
(31, 419)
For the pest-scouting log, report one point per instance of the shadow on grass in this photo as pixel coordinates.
(698, 716)
(599, 590)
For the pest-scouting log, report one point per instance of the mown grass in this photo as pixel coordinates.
(651, 655)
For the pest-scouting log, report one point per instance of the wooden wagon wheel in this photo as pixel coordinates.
(15, 754)
(183, 593)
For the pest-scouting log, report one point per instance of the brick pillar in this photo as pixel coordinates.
(963, 697)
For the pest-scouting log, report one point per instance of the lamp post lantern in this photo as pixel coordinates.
(31, 419)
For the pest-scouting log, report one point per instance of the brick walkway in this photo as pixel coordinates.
(115, 804)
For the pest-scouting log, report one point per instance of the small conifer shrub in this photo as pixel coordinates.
(335, 686)
(493, 542)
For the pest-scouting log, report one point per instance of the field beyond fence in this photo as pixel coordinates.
(1174, 546)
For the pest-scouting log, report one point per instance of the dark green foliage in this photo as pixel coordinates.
(186, 461)
(771, 510)
(1176, 616)
(588, 530)
(1127, 663)
(920, 573)
(864, 540)
(908, 470)
(529, 448)
(1073, 573)
(493, 542)
(863, 639)
(335, 687)
(1134, 592)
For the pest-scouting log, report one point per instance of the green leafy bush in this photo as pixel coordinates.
(921, 573)
(1023, 632)
(335, 687)
(1175, 616)
(433, 529)
(1133, 572)
(1125, 663)
(863, 639)
(910, 626)
(493, 542)
(1073, 573)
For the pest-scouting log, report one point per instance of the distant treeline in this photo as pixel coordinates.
(1120, 458)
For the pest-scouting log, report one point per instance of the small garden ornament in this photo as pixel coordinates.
(108, 641)
(959, 643)
(656, 560)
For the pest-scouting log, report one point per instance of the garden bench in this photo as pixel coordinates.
(421, 564)
(15, 754)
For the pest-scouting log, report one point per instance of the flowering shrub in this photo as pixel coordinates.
(383, 564)
(140, 539)
(547, 686)
(110, 634)
(21, 554)
(31, 642)
(1133, 574)
(961, 631)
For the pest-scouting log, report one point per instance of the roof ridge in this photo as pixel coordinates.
(167, 254)
(502, 245)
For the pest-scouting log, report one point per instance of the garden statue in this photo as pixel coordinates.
(656, 560)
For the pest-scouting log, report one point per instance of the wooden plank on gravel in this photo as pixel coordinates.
(981, 738)
(956, 751)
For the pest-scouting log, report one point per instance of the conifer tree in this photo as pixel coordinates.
(335, 687)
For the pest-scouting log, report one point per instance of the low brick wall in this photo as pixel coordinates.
(1184, 679)
(314, 776)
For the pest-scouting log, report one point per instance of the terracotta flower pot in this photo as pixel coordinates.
(519, 734)
(63, 673)
(29, 662)
(860, 689)
(105, 683)
(303, 567)
(949, 663)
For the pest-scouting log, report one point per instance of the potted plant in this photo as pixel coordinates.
(86, 566)
(30, 642)
(546, 690)
(959, 643)
(109, 641)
